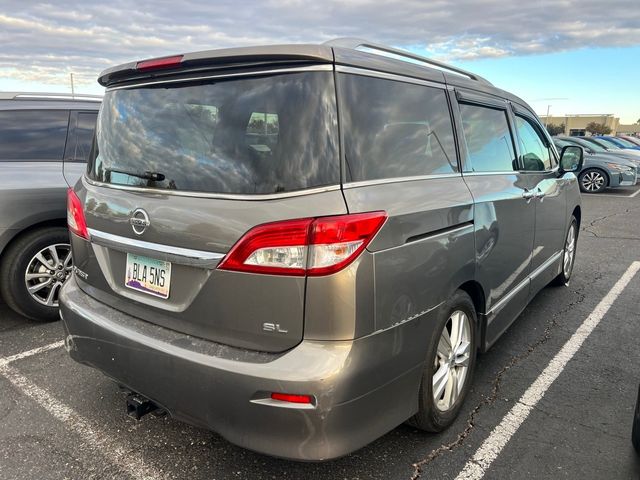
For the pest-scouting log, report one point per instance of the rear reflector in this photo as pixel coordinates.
(158, 63)
(307, 246)
(287, 397)
(75, 215)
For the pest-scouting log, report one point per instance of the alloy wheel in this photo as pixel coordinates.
(451, 363)
(46, 273)
(569, 251)
(593, 181)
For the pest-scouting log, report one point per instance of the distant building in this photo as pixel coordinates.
(576, 125)
(633, 129)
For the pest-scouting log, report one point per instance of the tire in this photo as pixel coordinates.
(635, 433)
(593, 180)
(21, 259)
(568, 255)
(436, 415)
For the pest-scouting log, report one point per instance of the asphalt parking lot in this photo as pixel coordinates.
(59, 419)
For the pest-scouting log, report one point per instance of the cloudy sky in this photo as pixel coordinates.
(576, 56)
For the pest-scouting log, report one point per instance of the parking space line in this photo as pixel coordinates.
(477, 466)
(30, 353)
(109, 447)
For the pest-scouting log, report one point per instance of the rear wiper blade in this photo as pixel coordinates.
(153, 176)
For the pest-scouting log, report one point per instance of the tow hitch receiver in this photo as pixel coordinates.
(138, 406)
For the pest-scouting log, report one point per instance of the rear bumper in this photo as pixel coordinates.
(363, 388)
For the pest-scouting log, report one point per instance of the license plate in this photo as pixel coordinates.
(148, 275)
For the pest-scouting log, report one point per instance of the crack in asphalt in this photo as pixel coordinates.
(593, 222)
(551, 325)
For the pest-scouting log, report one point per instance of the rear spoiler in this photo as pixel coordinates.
(245, 57)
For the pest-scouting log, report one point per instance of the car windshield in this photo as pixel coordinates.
(625, 142)
(605, 142)
(583, 143)
(254, 135)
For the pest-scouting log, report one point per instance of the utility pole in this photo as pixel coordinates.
(73, 94)
(546, 119)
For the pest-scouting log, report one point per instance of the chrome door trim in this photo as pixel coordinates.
(499, 305)
(381, 181)
(477, 174)
(221, 196)
(184, 256)
(312, 68)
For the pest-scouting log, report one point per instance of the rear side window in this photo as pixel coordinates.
(258, 135)
(535, 155)
(394, 129)
(33, 134)
(488, 139)
(85, 128)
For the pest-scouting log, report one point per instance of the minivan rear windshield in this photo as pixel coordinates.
(255, 135)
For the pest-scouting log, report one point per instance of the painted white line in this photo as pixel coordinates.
(634, 194)
(477, 466)
(30, 353)
(111, 448)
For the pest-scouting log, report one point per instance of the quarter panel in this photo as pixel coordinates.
(424, 249)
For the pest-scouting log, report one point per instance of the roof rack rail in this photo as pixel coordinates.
(355, 43)
(58, 96)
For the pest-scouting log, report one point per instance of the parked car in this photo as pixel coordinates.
(619, 142)
(304, 295)
(45, 144)
(600, 149)
(601, 171)
(611, 147)
(634, 140)
(635, 432)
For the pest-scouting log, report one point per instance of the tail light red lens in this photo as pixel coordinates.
(308, 246)
(288, 397)
(158, 63)
(75, 215)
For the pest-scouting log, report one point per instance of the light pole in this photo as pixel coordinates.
(546, 119)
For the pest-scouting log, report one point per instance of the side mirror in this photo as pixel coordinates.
(571, 159)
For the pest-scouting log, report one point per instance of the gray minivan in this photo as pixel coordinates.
(303, 246)
(45, 139)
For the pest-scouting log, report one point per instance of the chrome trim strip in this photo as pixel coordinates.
(389, 76)
(477, 174)
(222, 196)
(505, 299)
(82, 97)
(553, 258)
(185, 256)
(381, 181)
(311, 68)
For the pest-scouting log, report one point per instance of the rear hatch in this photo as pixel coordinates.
(180, 171)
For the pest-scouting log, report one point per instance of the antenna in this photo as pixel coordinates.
(73, 94)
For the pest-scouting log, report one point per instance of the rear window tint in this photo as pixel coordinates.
(488, 139)
(33, 134)
(395, 129)
(256, 135)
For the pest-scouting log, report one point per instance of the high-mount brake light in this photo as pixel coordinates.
(307, 246)
(75, 215)
(158, 63)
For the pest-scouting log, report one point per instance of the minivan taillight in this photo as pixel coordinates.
(307, 246)
(75, 215)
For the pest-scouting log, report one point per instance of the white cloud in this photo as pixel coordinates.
(46, 41)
